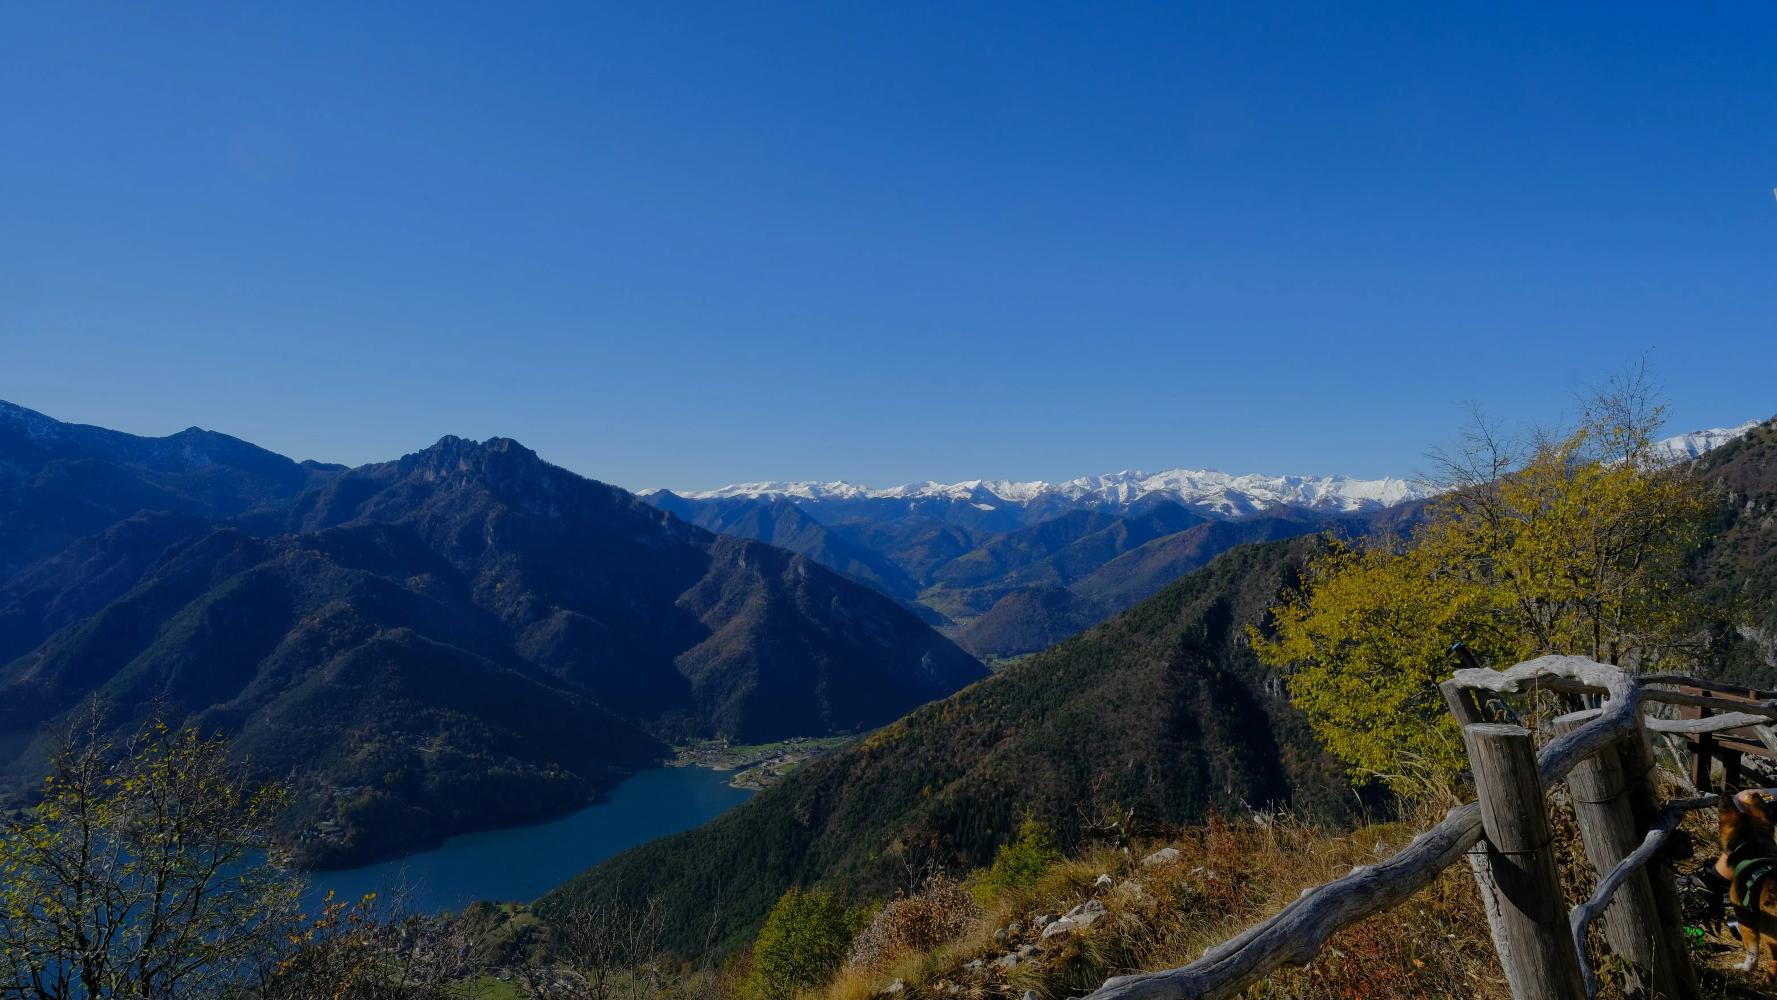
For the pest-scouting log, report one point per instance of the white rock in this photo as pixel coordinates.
(1131, 890)
(1165, 856)
(1103, 882)
(1079, 917)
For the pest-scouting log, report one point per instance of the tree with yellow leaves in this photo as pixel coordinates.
(139, 874)
(1577, 547)
(144, 873)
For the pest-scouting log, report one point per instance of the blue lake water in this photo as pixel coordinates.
(521, 863)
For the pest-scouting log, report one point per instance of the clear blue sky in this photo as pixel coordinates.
(686, 244)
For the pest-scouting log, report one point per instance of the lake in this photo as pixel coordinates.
(523, 862)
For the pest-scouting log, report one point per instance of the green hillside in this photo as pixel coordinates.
(1162, 710)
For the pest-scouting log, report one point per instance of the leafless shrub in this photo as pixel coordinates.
(943, 910)
(611, 950)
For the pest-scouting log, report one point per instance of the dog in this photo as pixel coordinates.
(1748, 862)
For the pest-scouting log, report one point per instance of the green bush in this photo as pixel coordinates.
(803, 942)
(1019, 864)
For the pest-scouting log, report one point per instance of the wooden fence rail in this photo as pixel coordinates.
(1604, 756)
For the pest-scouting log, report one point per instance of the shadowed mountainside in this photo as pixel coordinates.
(1162, 710)
(1737, 568)
(60, 482)
(1009, 593)
(465, 637)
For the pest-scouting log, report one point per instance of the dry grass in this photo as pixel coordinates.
(939, 913)
(943, 942)
(1227, 877)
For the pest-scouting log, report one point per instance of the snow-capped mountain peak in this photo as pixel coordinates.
(1693, 444)
(1216, 492)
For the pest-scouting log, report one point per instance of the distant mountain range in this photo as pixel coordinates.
(1210, 492)
(466, 637)
(1008, 568)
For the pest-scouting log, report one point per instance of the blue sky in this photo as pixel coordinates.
(687, 244)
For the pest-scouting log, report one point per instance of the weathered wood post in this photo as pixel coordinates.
(1466, 707)
(1673, 954)
(1607, 824)
(1537, 953)
(1704, 754)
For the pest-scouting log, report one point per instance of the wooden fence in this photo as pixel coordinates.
(1604, 755)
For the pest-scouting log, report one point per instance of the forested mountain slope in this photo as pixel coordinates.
(1737, 568)
(1062, 566)
(1008, 591)
(1162, 710)
(468, 636)
(787, 526)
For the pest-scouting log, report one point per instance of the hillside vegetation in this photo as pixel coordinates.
(1164, 715)
(1736, 567)
(1162, 711)
(467, 637)
(1007, 581)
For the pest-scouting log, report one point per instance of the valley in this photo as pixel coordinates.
(463, 639)
(761, 765)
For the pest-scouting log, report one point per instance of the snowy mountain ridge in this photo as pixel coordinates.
(1694, 443)
(1220, 492)
(1217, 492)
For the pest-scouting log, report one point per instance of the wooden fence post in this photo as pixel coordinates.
(1466, 708)
(1607, 824)
(1673, 954)
(1537, 953)
(1703, 754)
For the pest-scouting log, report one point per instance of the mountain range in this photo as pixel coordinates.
(1008, 568)
(469, 636)
(465, 637)
(1208, 491)
(1158, 717)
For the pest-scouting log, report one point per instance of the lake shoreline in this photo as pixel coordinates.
(516, 863)
(756, 766)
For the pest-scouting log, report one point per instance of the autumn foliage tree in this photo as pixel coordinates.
(145, 873)
(1573, 545)
(140, 873)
